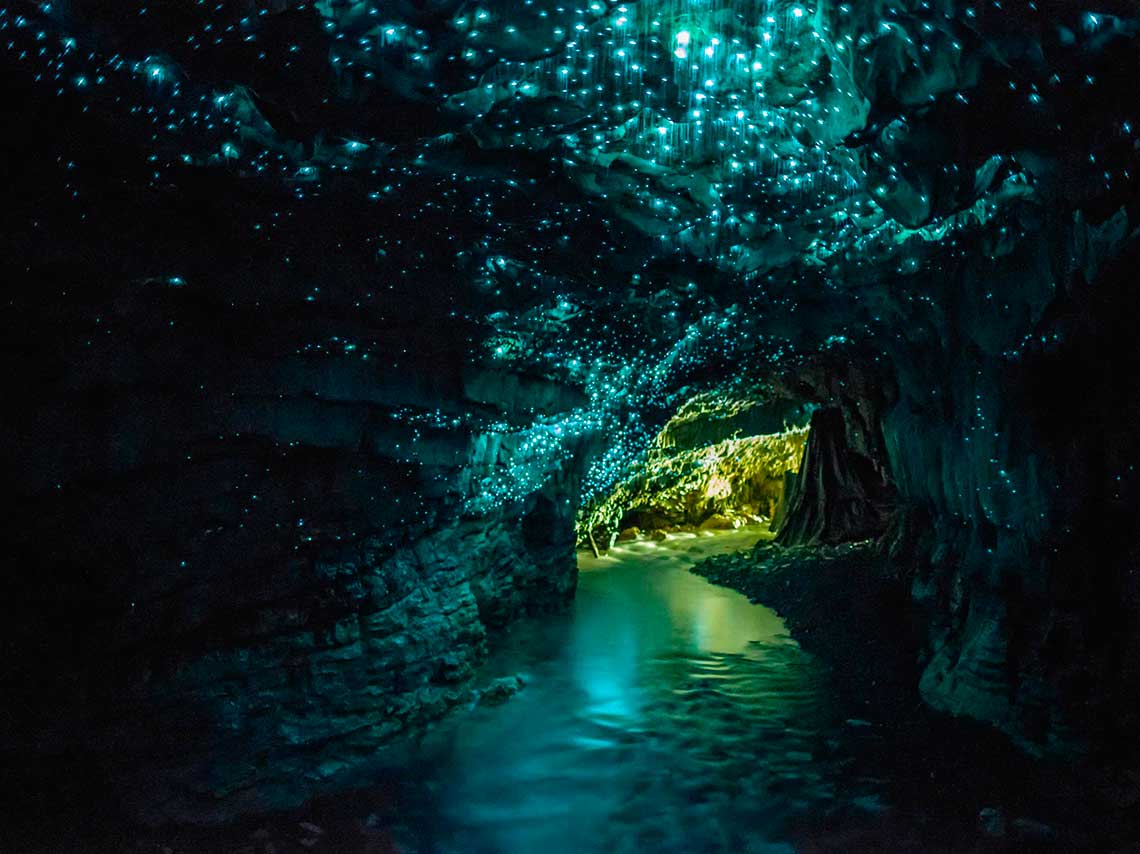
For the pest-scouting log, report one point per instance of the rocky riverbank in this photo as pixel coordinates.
(957, 785)
(832, 598)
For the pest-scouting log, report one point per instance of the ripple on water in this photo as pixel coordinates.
(662, 714)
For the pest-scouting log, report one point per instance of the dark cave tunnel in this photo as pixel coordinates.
(700, 425)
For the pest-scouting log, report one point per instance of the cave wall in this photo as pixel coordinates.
(991, 447)
(253, 541)
(1007, 434)
(258, 268)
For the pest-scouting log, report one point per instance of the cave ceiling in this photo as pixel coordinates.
(639, 197)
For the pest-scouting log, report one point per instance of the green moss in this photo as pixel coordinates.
(735, 478)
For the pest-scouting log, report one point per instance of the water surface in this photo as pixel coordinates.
(661, 713)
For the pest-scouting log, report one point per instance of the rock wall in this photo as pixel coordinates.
(1001, 416)
(1012, 447)
(250, 547)
(257, 267)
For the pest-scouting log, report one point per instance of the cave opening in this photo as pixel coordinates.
(711, 467)
(807, 468)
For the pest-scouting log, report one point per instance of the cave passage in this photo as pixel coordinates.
(718, 463)
(659, 713)
(368, 363)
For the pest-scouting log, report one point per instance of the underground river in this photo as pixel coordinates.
(660, 713)
(664, 713)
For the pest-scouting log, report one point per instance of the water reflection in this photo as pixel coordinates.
(661, 713)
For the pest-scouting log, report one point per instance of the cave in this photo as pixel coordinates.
(660, 425)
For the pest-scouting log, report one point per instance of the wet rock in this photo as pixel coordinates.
(628, 535)
(500, 690)
(297, 591)
(972, 678)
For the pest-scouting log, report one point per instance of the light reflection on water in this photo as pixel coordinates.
(661, 713)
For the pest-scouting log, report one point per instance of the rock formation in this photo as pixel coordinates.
(716, 464)
(323, 320)
(837, 496)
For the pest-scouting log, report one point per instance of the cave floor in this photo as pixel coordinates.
(665, 713)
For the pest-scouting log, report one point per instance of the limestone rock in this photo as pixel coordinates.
(718, 522)
(501, 690)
